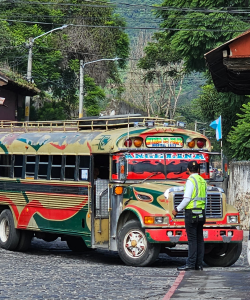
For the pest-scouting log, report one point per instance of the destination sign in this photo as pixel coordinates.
(169, 156)
(164, 142)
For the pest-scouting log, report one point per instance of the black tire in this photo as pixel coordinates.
(9, 235)
(223, 255)
(76, 244)
(25, 240)
(138, 252)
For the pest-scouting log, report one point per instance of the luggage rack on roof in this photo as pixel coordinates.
(89, 123)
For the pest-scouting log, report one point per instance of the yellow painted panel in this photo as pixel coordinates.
(102, 237)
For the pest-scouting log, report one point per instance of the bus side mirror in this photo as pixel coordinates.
(122, 168)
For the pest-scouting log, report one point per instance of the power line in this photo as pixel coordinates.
(124, 27)
(241, 10)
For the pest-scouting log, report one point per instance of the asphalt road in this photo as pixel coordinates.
(52, 271)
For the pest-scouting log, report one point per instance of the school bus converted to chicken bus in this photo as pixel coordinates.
(47, 188)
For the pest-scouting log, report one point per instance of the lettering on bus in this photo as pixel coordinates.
(164, 142)
(172, 156)
(186, 156)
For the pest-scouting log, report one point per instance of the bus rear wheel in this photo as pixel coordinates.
(223, 255)
(9, 235)
(133, 246)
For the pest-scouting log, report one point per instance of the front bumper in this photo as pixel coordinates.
(179, 235)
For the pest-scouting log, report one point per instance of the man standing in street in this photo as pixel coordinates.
(194, 202)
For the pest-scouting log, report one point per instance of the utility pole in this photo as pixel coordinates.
(29, 78)
(29, 68)
(81, 89)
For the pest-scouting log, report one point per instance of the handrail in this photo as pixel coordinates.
(82, 124)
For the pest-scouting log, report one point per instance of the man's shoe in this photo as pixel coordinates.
(185, 268)
(199, 268)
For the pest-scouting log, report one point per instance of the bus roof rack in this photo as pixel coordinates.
(86, 123)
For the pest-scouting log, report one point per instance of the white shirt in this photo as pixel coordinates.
(187, 195)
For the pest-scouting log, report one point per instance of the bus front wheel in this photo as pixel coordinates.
(133, 246)
(9, 235)
(223, 255)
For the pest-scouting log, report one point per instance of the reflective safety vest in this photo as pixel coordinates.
(198, 198)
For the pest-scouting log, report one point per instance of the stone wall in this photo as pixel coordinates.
(239, 189)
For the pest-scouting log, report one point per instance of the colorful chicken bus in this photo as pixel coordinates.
(48, 188)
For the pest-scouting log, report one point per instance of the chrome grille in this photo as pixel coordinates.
(213, 205)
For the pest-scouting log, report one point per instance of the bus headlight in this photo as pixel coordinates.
(232, 219)
(156, 220)
(161, 220)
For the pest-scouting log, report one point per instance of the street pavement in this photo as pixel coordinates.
(52, 271)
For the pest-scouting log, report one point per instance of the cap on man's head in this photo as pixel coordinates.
(193, 166)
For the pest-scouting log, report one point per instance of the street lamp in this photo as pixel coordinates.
(29, 68)
(81, 91)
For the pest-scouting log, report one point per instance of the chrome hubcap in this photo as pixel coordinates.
(135, 243)
(4, 230)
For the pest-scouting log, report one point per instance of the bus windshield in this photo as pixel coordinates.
(164, 165)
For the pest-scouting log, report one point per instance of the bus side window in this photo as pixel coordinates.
(18, 166)
(5, 165)
(84, 163)
(31, 162)
(43, 167)
(56, 167)
(70, 166)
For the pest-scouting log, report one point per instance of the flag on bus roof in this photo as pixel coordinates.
(216, 124)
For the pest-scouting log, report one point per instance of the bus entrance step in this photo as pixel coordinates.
(175, 252)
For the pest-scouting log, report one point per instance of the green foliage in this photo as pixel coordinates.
(213, 104)
(55, 66)
(239, 136)
(197, 32)
(158, 54)
(93, 97)
(51, 111)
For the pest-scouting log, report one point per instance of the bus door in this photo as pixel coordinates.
(101, 201)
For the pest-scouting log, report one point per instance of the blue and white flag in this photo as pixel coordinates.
(217, 126)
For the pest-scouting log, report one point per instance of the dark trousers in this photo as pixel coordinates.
(194, 231)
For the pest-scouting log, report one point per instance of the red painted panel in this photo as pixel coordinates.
(240, 47)
(160, 235)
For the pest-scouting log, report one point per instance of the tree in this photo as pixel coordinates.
(213, 104)
(190, 29)
(239, 136)
(56, 57)
(163, 66)
(193, 28)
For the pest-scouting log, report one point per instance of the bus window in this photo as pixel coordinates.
(84, 162)
(70, 166)
(102, 163)
(5, 165)
(18, 166)
(56, 167)
(143, 165)
(30, 166)
(43, 167)
(177, 169)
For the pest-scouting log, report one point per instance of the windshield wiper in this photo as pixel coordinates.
(153, 174)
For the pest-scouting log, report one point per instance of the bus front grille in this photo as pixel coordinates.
(213, 205)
